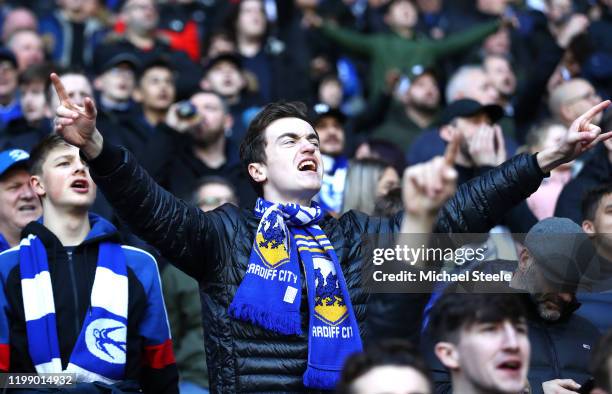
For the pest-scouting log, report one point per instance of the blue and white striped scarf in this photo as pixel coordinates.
(270, 293)
(100, 350)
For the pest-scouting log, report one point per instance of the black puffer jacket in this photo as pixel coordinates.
(214, 248)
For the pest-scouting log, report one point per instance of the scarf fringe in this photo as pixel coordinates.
(282, 323)
(320, 379)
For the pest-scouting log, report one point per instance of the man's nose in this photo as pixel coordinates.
(307, 146)
(26, 192)
(511, 340)
(79, 166)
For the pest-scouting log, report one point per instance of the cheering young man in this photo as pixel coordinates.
(72, 298)
(254, 266)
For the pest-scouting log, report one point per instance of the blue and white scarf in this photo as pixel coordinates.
(332, 186)
(270, 293)
(100, 350)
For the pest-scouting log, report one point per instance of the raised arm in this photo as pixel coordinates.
(480, 203)
(185, 235)
(463, 40)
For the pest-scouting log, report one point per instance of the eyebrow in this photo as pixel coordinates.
(294, 135)
(62, 157)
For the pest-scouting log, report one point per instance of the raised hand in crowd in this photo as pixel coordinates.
(426, 187)
(487, 146)
(577, 24)
(77, 124)
(180, 121)
(581, 136)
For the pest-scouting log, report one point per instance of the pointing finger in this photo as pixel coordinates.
(60, 89)
(451, 150)
(586, 118)
(90, 108)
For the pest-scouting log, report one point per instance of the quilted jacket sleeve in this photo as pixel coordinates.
(477, 206)
(183, 234)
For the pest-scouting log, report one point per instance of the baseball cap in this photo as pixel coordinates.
(321, 110)
(109, 60)
(465, 108)
(7, 54)
(11, 158)
(224, 57)
(563, 253)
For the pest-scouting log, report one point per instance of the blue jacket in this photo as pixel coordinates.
(149, 358)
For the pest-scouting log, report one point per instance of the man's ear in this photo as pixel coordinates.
(258, 172)
(37, 185)
(588, 227)
(97, 83)
(204, 84)
(524, 260)
(447, 354)
(137, 95)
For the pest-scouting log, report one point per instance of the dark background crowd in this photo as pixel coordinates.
(387, 83)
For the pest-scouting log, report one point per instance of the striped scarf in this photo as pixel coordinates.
(270, 293)
(100, 350)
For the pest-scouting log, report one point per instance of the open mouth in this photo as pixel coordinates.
(510, 365)
(307, 165)
(80, 185)
(27, 208)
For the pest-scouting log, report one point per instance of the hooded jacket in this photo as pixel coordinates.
(214, 248)
(149, 358)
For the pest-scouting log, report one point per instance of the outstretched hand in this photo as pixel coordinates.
(427, 186)
(581, 136)
(75, 123)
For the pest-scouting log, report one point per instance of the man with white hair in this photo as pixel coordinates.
(471, 82)
(28, 47)
(570, 98)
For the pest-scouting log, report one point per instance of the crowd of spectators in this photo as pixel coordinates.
(388, 84)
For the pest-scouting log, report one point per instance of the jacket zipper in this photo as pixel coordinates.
(74, 292)
(553, 350)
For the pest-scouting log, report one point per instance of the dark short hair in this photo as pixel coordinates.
(599, 362)
(454, 311)
(393, 352)
(41, 151)
(209, 180)
(592, 199)
(253, 146)
(35, 73)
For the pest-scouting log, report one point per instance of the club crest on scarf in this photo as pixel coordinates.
(329, 303)
(104, 340)
(271, 241)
